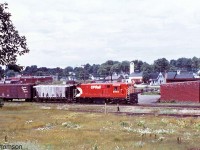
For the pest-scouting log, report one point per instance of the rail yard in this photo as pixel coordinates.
(99, 117)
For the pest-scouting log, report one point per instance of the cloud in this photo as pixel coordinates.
(74, 32)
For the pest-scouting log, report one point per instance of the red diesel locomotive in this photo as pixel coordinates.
(107, 92)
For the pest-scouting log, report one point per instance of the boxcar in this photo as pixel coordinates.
(16, 91)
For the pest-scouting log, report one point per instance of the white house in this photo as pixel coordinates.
(157, 79)
(197, 75)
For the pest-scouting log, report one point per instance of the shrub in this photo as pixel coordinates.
(1, 103)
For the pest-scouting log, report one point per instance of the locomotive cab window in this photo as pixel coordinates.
(115, 88)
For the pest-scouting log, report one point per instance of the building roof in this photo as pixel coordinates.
(154, 75)
(171, 75)
(181, 75)
(114, 77)
(136, 74)
(184, 76)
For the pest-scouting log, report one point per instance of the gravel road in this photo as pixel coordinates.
(147, 99)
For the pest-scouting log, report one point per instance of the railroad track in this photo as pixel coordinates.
(161, 105)
(168, 115)
(169, 105)
(140, 114)
(129, 110)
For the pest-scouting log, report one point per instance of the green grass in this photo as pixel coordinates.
(34, 127)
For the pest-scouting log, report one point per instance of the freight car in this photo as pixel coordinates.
(31, 92)
(81, 93)
(16, 91)
(64, 93)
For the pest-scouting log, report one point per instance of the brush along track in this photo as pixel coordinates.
(153, 105)
(153, 114)
(156, 109)
(162, 105)
(141, 111)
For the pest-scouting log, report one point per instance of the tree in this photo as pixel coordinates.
(12, 44)
(95, 68)
(88, 68)
(147, 70)
(14, 67)
(116, 68)
(106, 68)
(138, 65)
(67, 70)
(161, 65)
(1, 72)
(173, 65)
(81, 73)
(195, 63)
(10, 73)
(102, 71)
(30, 70)
(184, 63)
(125, 66)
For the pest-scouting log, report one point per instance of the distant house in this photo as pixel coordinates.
(157, 78)
(135, 77)
(69, 77)
(30, 79)
(94, 77)
(115, 78)
(55, 77)
(197, 74)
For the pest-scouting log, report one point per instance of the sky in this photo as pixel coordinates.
(63, 33)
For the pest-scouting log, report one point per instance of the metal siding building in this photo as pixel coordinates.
(181, 91)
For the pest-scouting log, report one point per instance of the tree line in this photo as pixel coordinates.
(109, 68)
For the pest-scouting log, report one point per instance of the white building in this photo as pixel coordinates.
(132, 67)
(157, 79)
(134, 77)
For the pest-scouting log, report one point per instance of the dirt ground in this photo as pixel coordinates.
(147, 99)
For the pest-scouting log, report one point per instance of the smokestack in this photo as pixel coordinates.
(178, 72)
(132, 67)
